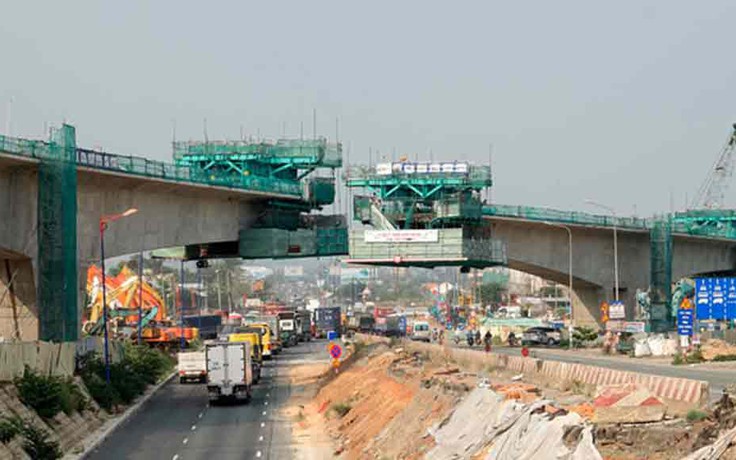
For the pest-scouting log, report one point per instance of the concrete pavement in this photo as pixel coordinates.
(178, 423)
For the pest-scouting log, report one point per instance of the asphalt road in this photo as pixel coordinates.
(177, 423)
(718, 378)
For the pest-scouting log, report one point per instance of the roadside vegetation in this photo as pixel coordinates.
(696, 356)
(49, 395)
(35, 441)
(141, 366)
(341, 409)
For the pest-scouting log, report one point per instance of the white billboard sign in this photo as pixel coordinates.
(401, 236)
(383, 169)
(407, 167)
(616, 310)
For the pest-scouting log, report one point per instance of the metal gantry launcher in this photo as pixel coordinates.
(283, 226)
(424, 214)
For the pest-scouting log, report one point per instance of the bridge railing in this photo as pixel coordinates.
(567, 217)
(150, 168)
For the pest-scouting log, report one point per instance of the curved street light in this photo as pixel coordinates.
(615, 243)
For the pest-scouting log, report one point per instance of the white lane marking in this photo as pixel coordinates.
(264, 413)
(265, 403)
(194, 427)
(258, 454)
(263, 424)
(268, 394)
(260, 438)
(186, 440)
(200, 415)
(175, 457)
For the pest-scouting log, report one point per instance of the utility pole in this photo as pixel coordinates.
(219, 293)
(229, 294)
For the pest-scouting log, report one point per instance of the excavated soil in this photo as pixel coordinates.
(385, 403)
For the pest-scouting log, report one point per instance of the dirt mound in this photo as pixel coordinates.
(717, 347)
(362, 401)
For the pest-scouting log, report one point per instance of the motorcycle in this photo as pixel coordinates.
(470, 340)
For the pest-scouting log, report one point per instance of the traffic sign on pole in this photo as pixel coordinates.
(335, 351)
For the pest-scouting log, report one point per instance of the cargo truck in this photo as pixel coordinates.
(208, 325)
(391, 326)
(304, 325)
(229, 371)
(327, 319)
(273, 323)
(361, 322)
(192, 365)
(252, 335)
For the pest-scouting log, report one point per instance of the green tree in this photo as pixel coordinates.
(491, 292)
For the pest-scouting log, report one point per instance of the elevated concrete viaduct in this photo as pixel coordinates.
(540, 249)
(170, 214)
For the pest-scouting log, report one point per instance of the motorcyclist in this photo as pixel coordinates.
(487, 338)
(469, 336)
(477, 336)
(512, 339)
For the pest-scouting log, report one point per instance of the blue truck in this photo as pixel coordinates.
(327, 319)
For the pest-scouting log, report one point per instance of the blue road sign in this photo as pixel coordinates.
(715, 298)
(331, 335)
(731, 299)
(685, 321)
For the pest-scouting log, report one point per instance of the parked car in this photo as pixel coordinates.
(541, 336)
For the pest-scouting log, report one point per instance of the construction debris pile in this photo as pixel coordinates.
(411, 402)
(488, 425)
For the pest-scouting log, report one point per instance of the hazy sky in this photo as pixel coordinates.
(626, 102)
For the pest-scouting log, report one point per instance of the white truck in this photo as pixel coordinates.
(229, 371)
(192, 366)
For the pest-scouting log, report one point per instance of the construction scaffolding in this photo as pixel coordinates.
(57, 239)
(660, 289)
(423, 214)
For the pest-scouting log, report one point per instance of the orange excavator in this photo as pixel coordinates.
(124, 293)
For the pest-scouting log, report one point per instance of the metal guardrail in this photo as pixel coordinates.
(696, 224)
(143, 167)
(568, 217)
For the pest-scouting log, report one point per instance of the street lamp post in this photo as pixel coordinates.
(615, 244)
(104, 221)
(140, 297)
(569, 274)
(181, 306)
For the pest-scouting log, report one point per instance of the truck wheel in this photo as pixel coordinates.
(182, 380)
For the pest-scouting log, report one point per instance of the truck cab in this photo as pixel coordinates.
(287, 328)
(269, 346)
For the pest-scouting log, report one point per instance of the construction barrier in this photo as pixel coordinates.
(689, 391)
